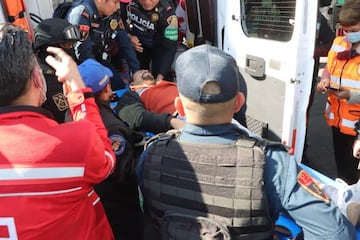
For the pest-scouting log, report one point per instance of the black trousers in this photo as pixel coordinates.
(345, 162)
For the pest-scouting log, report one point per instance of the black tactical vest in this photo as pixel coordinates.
(207, 191)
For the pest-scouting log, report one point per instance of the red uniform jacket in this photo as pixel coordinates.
(47, 173)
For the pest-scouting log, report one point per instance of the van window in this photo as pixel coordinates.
(270, 19)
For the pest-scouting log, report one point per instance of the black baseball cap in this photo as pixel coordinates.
(54, 30)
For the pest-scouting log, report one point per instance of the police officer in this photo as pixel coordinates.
(153, 29)
(103, 37)
(211, 178)
(119, 192)
(57, 33)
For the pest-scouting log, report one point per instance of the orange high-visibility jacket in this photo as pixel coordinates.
(344, 73)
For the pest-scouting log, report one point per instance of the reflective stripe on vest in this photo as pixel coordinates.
(329, 114)
(344, 74)
(223, 183)
(337, 48)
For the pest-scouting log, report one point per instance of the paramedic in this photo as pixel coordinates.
(48, 170)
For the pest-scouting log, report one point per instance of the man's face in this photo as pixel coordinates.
(142, 77)
(149, 4)
(108, 7)
(352, 33)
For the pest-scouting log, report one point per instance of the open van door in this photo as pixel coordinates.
(3, 15)
(273, 43)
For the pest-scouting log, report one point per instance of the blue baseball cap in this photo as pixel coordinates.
(95, 75)
(204, 64)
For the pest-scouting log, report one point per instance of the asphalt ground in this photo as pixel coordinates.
(319, 139)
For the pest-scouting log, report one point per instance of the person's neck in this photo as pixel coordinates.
(26, 100)
(207, 122)
(97, 4)
(31, 97)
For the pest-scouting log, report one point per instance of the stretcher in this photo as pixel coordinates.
(286, 228)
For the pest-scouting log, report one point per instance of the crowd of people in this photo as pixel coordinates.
(91, 170)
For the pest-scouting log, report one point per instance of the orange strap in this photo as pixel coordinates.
(17, 15)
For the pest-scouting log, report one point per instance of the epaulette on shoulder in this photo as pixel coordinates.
(85, 14)
(85, 10)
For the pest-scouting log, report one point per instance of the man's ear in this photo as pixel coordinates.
(179, 106)
(36, 77)
(239, 101)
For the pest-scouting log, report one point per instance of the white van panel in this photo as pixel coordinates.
(41, 8)
(280, 97)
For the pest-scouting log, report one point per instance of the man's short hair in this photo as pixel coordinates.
(17, 62)
(205, 64)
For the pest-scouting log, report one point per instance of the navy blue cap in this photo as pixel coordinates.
(95, 75)
(203, 64)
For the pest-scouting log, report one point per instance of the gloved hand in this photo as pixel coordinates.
(347, 199)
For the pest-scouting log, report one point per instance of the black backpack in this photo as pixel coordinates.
(62, 9)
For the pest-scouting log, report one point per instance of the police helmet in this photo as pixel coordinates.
(51, 31)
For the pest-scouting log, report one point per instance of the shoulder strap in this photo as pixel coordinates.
(265, 144)
(163, 138)
(245, 140)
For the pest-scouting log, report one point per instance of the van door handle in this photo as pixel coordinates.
(255, 66)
